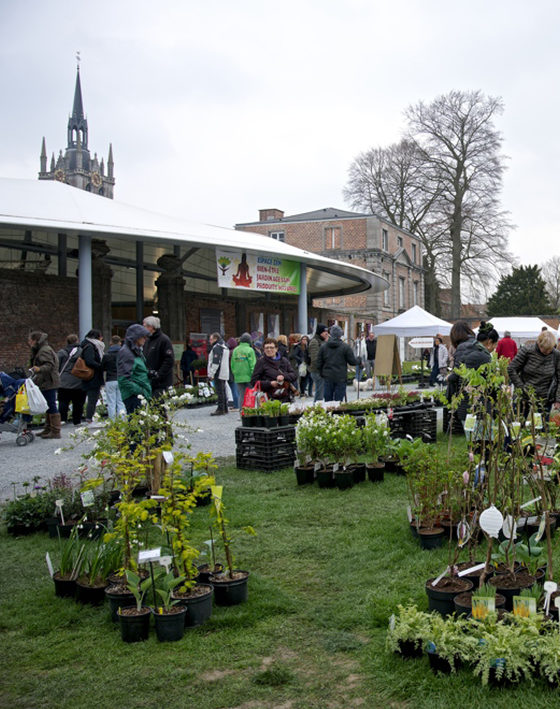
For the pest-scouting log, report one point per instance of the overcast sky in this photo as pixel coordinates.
(218, 108)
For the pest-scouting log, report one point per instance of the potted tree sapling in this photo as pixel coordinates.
(230, 588)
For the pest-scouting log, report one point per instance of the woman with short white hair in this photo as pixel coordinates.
(537, 366)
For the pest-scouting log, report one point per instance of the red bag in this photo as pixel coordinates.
(253, 397)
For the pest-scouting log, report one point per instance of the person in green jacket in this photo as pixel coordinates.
(243, 359)
(132, 372)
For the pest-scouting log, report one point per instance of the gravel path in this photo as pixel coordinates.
(214, 434)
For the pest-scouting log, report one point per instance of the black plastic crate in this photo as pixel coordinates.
(264, 464)
(265, 450)
(268, 436)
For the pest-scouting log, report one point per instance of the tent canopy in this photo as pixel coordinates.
(415, 322)
(519, 327)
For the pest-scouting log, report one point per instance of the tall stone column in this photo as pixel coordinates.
(101, 275)
(171, 297)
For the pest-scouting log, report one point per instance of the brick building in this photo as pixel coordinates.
(360, 239)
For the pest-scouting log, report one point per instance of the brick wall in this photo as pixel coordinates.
(34, 301)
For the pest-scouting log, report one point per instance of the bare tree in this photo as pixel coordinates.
(457, 138)
(442, 183)
(551, 273)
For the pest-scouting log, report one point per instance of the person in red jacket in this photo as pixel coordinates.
(506, 346)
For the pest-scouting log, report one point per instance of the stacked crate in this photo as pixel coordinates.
(265, 449)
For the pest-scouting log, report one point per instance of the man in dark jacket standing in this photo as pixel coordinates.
(332, 363)
(115, 405)
(371, 347)
(160, 358)
(317, 341)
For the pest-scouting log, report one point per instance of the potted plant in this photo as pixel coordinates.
(134, 621)
(169, 617)
(375, 437)
(447, 643)
(407, 631)
(230, 588)
(71, 554)
(505, 654)
(92, 582)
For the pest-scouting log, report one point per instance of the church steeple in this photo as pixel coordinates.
(77, 123)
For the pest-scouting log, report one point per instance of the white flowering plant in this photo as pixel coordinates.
(376, 436)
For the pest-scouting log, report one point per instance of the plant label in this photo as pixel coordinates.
(409, 514)
(509, 527)
(464, 572)
(49, 564)
(463, 533)
(439, 578)
(149, 555)
(515, 428)
(524, 607)
(557, 602)
(59, 511)
(168, 457)
(317, 467)
(529, 502)
(88, 500)
(470, 421)
(542, 527)
(392, 621)
(165, 561)
(491, 521)
(549, 588)
(481, 607)
(335, 467)
(157, 497)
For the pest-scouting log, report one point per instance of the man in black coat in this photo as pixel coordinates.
(160, 358)
(332, 363)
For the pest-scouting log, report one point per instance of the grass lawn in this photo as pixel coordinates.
(327, 569)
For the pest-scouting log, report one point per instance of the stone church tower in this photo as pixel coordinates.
(76, 167)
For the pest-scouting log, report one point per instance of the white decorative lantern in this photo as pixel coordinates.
(491, 521)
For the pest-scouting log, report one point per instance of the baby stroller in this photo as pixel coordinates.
(9, 420)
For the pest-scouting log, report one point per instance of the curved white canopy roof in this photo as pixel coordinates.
(522, 327)
(52, 207)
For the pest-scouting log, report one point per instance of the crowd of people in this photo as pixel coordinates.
(142, 366)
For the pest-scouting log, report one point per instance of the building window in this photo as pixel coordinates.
(399, 242)
(415, 292)
(278, 235)
(401, 292)
(333, 237)
(413, 253)
(385, 240)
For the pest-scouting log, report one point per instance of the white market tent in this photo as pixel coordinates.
(519, 327)
(415, 322)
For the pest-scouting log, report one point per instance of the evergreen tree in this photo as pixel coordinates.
(523, 292)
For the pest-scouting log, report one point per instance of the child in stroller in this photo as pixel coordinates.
(10, 421)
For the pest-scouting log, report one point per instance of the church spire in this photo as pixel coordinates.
(77, 123)
(44, 156)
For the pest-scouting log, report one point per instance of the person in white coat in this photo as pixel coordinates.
(360, 352)
(218, 371)
(438, 360)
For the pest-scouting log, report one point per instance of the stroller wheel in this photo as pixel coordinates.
(22, 440)
(30, 436)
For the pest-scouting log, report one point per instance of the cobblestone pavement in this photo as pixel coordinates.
(212, 434)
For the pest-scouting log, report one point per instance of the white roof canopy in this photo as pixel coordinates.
(519, 326)
(415, 322)
(49, 208)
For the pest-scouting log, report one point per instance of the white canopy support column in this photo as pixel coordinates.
(84, 285)
(302, 300)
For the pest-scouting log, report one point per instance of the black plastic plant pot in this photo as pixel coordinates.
(64, 588)
(439, 664)
(284, 420)
(170, 627)
(205, 574)
(410, 648)
(376, 472)
(198, 605)
(134, 625)
(94, 595)
(344, 479)
(231, 592)
(247, 421)
(359, 472)
(325, 478)
(305, 474)
(118, 600)
(431, 538)
(442, 600)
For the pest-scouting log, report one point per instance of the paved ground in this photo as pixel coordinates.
(213, 434)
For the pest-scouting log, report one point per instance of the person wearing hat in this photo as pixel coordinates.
(332, 364)
(132, 372)
(317, 341)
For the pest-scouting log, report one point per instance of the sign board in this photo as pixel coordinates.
(149, 555)
(421, 343)
(262, 272)
(387, 360)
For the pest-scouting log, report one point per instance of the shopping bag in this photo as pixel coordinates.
(22, 403)
(254, 397)
(36, 401)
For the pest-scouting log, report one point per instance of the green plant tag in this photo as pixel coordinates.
(88, 499)
(481, 607)
(524, 607)
(470, 421)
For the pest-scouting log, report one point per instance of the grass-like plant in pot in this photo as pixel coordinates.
(98, 564)
(71, 557)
